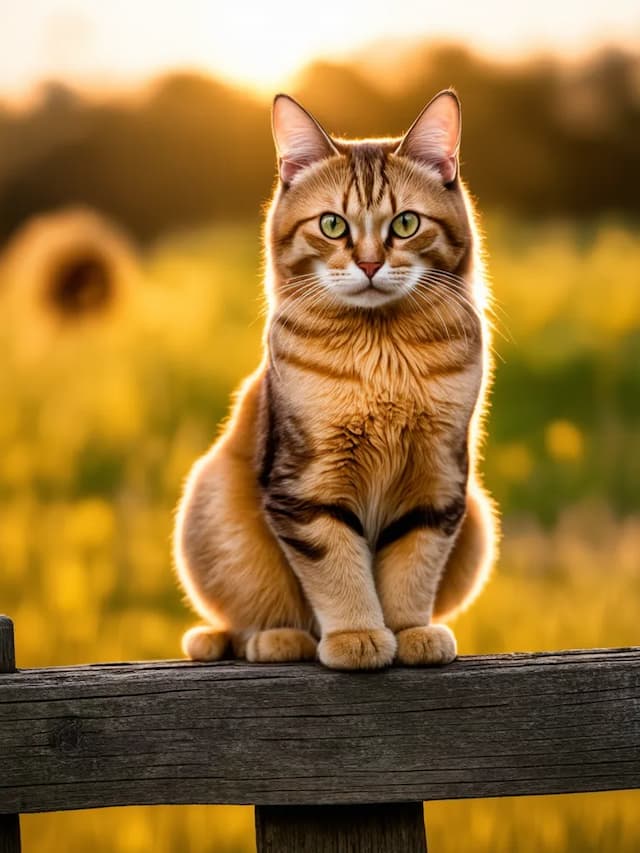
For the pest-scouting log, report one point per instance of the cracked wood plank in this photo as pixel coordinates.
(299, 734)
(9, 823)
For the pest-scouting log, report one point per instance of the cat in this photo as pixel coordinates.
(339, 515)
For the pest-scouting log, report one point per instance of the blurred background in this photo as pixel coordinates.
(135, 160)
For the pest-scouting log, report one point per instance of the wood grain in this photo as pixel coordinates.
(397, 828)
(229, 732)
(7, 647)
(10, 833)
(9, 823)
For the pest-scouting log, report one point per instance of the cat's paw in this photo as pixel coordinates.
(205, 644)
(358, 649)
(277, 645)
(426, 645)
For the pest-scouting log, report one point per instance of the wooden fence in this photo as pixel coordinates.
(333, 762)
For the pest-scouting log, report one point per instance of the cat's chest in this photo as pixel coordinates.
(371, 416)
(386, 410)
(373, 443)
(370, 422)
(381, 432)
(372, 457)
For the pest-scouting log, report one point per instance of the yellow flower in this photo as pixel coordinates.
(564, 441)
(514, 461)
(89, 524)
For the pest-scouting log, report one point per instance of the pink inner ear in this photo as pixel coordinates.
(289, 169)
(433, 149)
(448, 168)
(300, 141)
(434, 136)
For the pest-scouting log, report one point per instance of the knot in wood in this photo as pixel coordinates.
(67, 734)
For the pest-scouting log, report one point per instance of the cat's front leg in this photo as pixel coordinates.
(325, 547)
(411, 555)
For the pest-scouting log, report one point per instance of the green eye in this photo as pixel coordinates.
(405, 224)
(333, 226)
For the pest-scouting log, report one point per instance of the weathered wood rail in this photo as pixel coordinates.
(323, 744)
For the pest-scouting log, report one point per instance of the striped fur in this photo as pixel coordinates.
(342, 503)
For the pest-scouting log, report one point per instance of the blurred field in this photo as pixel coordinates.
(100, 420)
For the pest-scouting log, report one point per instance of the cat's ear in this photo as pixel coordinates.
(434, 137)
(300, 141)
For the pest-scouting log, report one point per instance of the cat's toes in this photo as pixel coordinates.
(205, 644)
(277, 645)
(358, 649)
(426, 645)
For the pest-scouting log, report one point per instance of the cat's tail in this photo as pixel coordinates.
(470, 562)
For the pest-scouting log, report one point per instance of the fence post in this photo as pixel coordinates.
(387, 828)
(9, 823)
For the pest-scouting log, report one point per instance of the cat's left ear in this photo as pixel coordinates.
(299, 139)
(434, 137)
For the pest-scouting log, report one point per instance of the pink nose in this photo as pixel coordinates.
(370, 268)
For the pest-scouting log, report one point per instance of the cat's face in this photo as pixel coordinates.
(366, 224)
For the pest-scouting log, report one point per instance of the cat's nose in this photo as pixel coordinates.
(370, 268)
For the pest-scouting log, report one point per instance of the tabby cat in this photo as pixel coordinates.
(339, 514)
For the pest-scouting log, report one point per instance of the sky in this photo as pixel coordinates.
(263, 44)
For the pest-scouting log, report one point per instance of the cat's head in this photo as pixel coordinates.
(368, 223)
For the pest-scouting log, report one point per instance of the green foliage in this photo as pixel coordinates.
(566, 410)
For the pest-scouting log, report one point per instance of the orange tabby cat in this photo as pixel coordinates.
(339, 514)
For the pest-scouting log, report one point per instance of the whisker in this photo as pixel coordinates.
(457, 297)
(428, 300)
(292, 284)
(492, 322)
(308, 298)
(450, 300)
(463, 302)
(491, 306)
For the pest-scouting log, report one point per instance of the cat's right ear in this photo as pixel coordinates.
(434, 137)
(299, 139)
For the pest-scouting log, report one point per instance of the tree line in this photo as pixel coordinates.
(542, 138)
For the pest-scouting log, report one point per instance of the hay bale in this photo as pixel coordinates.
(65, 269)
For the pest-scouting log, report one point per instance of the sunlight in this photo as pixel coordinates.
(262, 45)
(266, 45)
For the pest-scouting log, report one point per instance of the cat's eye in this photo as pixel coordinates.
(405, 224)
(333, 226)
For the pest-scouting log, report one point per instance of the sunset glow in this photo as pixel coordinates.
(261, 45)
